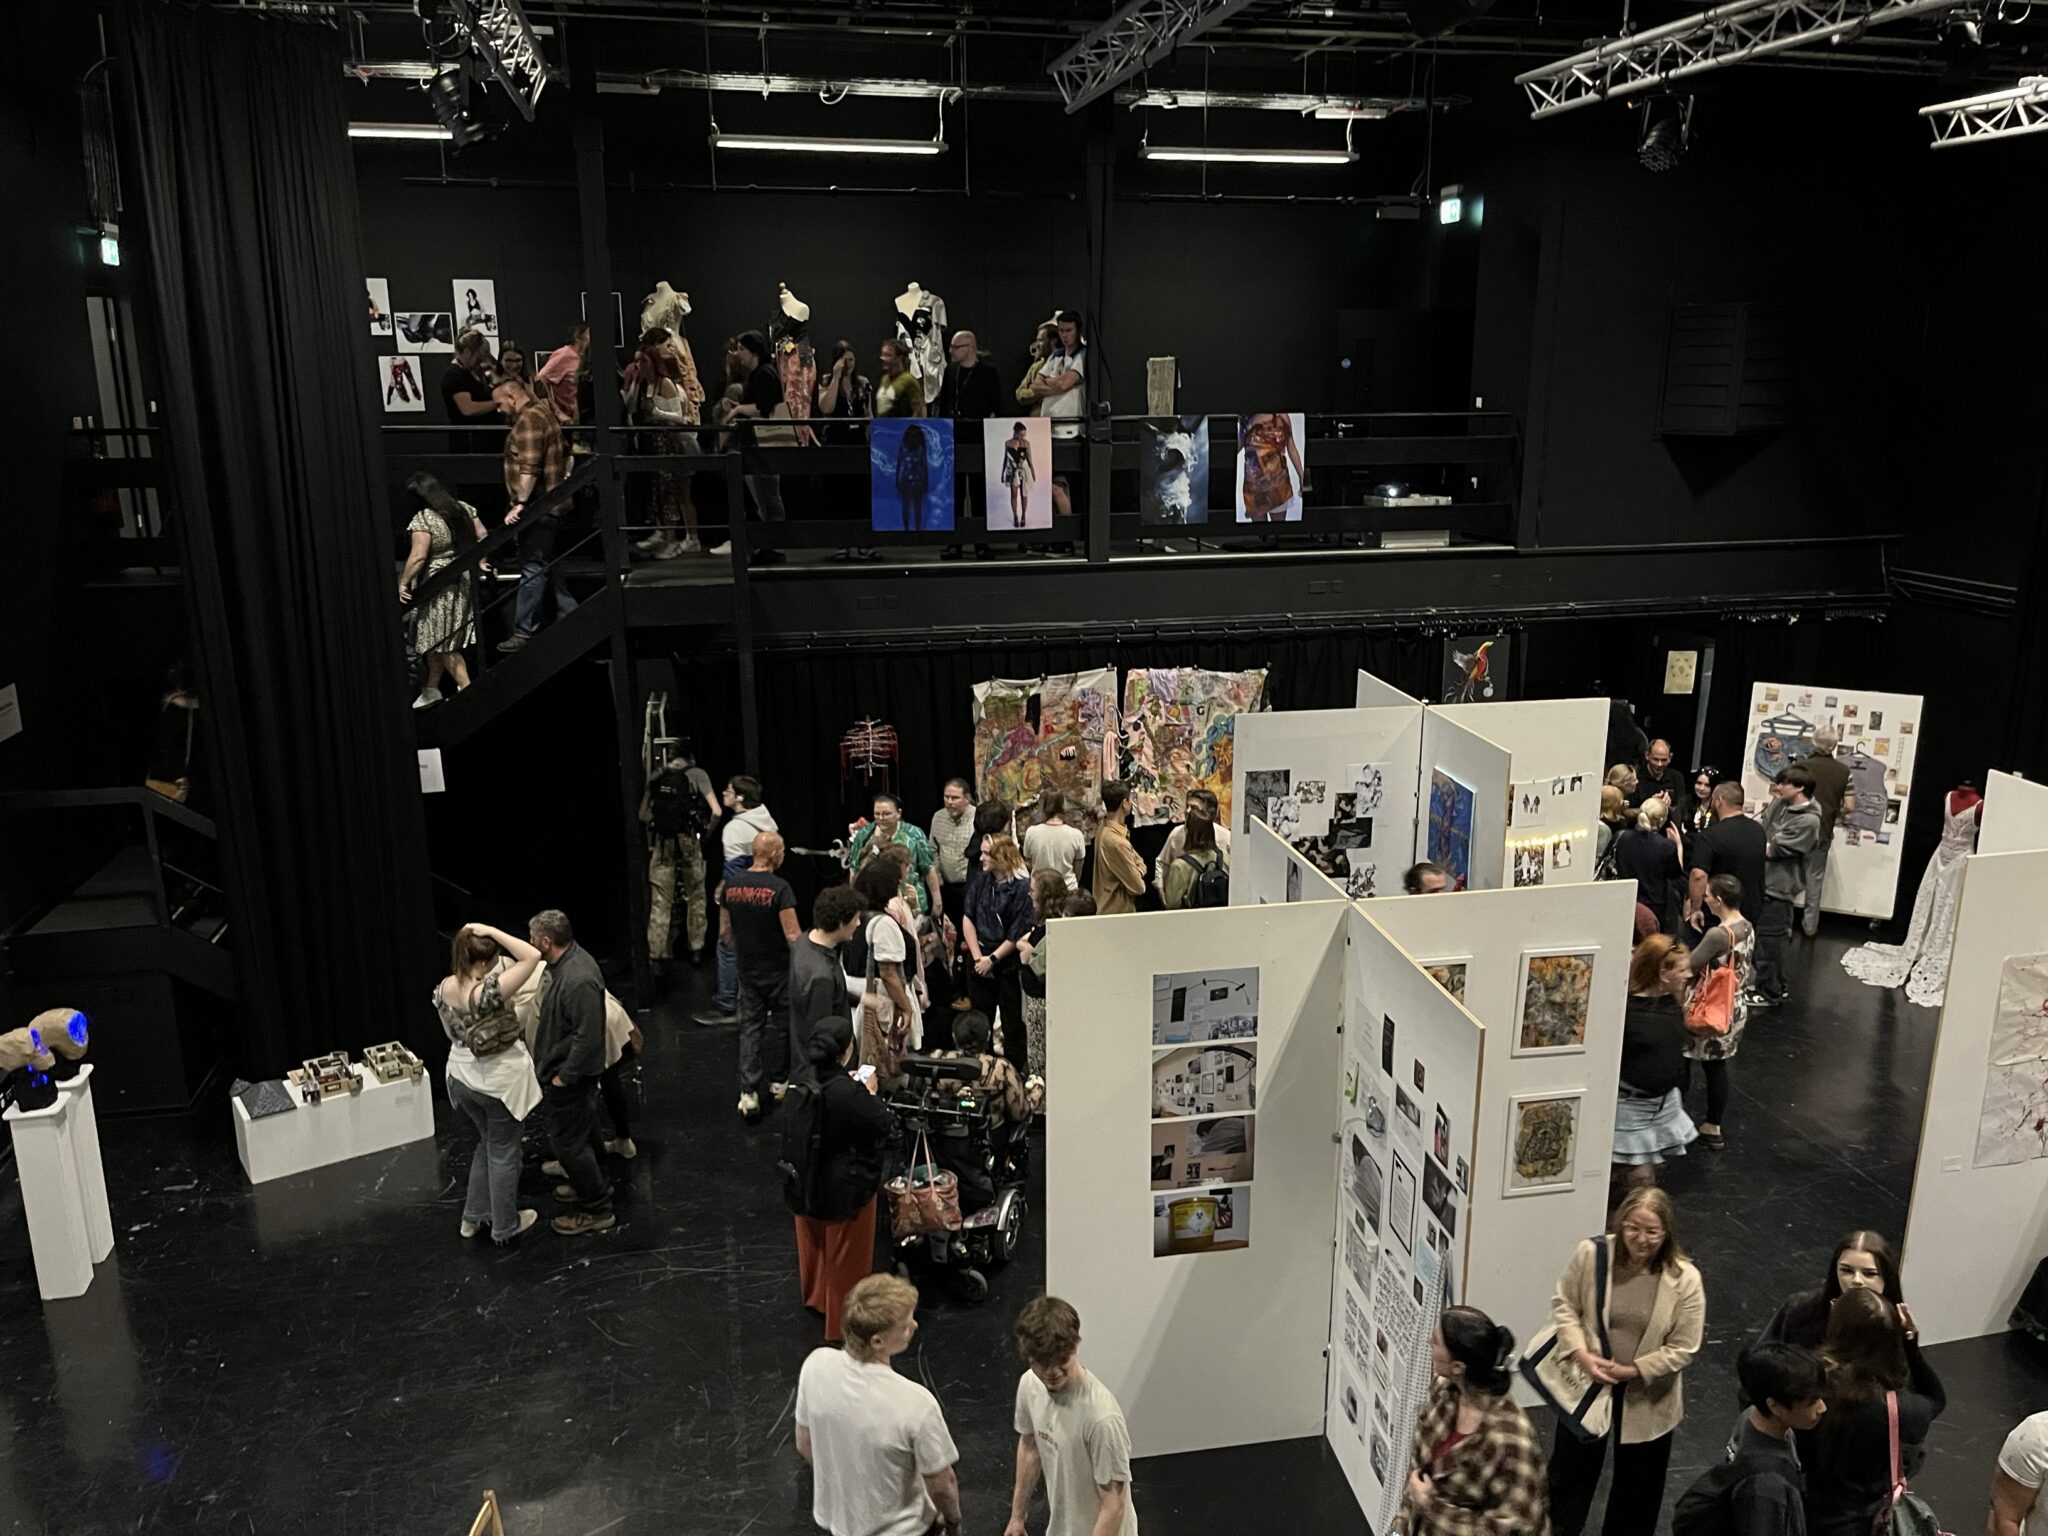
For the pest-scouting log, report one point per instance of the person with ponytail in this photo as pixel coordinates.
(1476, 1465)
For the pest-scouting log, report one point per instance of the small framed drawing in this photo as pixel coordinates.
(1557, 996)
(1542, 1142)
(1448, 973)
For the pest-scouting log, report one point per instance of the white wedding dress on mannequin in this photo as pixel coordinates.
(1922, 961)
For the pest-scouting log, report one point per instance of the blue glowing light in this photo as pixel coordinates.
(76, 1026)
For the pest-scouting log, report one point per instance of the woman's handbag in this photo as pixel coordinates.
(884, 1036)
(923, 1199)
(1903, 1513)
(1711, 1009)
(1584, 1406)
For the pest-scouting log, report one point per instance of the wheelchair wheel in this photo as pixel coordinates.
(1008, 1232)
(970, 1284)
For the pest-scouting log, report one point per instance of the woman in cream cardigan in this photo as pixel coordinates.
(1656, 1314)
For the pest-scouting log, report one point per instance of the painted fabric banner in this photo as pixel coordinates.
(1035, 734)
(1179, 724)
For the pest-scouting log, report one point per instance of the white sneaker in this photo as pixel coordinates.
(427, 696)
(692, 545)
(750, 1104)
(624, 1149)
(468, 1228)
(651, 544)
(777, 1090)
(554, 1169)
(722, 549)
(669, 550)
(526, 1220)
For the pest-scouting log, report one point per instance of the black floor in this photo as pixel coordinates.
(324, 1355)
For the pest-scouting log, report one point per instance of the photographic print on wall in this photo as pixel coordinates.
(1262, 786)
(1215, 1150)
(1543, 1142)
(426, 332)
(1475, 669)
(476, 306)
(910, 474)
(1173, 472)
(2011, 1119)
(1192, 1007)
(1270, 472)
(1204, 1221)
(1401, 1203)
(1205, 1080)
(377, 296)
(1557, 992)
(1449, 974)
(1017, 471)
(1450, 827)
(399, 378)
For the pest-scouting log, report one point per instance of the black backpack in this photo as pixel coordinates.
(803, 1147)
(1211, 887)
(674, 807)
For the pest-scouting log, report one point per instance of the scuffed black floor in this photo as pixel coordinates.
(324, 1355)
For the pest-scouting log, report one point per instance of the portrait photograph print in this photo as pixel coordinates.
(1016, 458)
(1270, 474)
(476, 306)
(1173, 471)
(910, 474)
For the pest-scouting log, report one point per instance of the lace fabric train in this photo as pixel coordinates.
(1921, 962)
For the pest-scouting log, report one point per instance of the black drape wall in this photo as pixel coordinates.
(245, 169)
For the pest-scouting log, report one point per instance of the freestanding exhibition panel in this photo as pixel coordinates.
(1374, 693)
(1555, 799)
(2015, 818)
(1208, 1316)
(1338, 784)
(1978, 1223)
(1264, 867)
(1482, 944)
(1464, 814)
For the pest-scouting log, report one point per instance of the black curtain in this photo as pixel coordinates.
(245, 169)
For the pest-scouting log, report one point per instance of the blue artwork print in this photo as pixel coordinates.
(910, 475)
(1450, 828)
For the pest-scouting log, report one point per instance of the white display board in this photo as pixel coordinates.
(1473, 762)
(1978, 1223)
(2015, 815)
(1482, 942)
(1339, 785)
(1410, 1098)
(1880, 735)
(1376, 692)
(1555, 798)
(1220, 1343)
(1265, 869)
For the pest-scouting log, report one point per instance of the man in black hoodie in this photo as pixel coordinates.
(568, 1057)
(1758, 1489)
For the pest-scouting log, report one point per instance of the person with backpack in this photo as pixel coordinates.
(835, 1132)
(1758, 1488)
(678, 807)
(998, 922)
(1200, 875)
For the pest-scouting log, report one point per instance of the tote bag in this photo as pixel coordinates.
(1584, 1406)
(1711, 1009)
(1903, 1513)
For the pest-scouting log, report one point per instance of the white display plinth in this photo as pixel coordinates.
(382, 1116)
(46, 1155)
(92, 1177)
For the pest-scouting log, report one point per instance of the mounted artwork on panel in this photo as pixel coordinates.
(1557, 993)
(910, 475)
(1173, 471)
(1450, 827)
(1542, 1143)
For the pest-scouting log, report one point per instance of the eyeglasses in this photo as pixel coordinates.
(1649, 1234)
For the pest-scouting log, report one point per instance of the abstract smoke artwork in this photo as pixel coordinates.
(1543, 1135)
(1557, 991)
(1035, 734)
(1179, 726)
(2012, 1126)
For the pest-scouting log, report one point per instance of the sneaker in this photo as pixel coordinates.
(1759, 1002)
(691, 545)
(776, 1091)
(515, 643)
(624, 1149)
(554, 1169)
(566, 1192)
(722, 549)
(652, 544)
(582, 1223)
(669, 550)
(427, 696)
(750, 1107)
(712, 1018)
(526, 1221)
(468, 1228)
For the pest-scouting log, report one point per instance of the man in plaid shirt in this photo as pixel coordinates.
(535, 463)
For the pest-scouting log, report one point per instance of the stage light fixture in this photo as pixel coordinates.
(448, 95)
(829, 146)
(398, 131)
(1666, 133)
(1251, 156)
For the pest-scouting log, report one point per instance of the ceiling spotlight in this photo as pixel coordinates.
(448, 95)
(1666, 134)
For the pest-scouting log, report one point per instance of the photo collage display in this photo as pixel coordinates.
(1329, 824)
(1205, 1071)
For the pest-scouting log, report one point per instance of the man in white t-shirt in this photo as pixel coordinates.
(2019, 1492)
(746, 818)
(1062, 382)
(1070, 1431)
(881, 1456)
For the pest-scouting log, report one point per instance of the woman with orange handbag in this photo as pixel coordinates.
(1719, 1009)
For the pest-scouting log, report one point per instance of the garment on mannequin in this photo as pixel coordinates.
(665, 309)
(1921, 962)
(796, 360)
(921, 328)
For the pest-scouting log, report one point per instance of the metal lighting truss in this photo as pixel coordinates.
(1713, 39)
(1998, 115)
(1135, 38)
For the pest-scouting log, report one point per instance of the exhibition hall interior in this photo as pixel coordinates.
(890, 767)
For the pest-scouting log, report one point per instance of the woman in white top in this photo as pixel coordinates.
(1052, 844)
(490, 1073)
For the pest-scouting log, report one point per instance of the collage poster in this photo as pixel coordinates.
(1205, 1070)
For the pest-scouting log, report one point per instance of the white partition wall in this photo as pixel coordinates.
(1376, 692)
(2015, 815)
(1557, 746)
(1482, 942)
(1300, 770)
(1412, 1065)
(1978, 1223)
(1265, 869)
(1469, 761)
(1219, 1341)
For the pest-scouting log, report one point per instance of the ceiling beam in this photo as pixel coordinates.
(1137, 37)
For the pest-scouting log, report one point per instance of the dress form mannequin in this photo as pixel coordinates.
(1921, 962)
(796, 360)
(921, 328)
(665, 309)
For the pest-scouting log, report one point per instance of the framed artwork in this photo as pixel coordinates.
(1542, 1142)
(1401, 1203)
(1173, 477)
(1557, 992)
(1450, 827)
(1449, 974)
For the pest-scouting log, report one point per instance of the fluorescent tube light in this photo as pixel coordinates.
(1336, 112)
(821, 146)
(398, 131)
(1254, 156)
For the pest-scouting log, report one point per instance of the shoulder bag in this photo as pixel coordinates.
(1711, 1008)
(1583, 1406)
(883, 1034)
(923, 1199)
(1902, 1513)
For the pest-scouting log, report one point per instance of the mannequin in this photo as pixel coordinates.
(1921, 962)
(921, 327)
(665, 309)
(796, 361)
